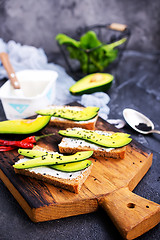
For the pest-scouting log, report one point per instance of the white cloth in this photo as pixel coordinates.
(28, 57)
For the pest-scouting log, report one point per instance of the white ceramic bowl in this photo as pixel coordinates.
(37, 92)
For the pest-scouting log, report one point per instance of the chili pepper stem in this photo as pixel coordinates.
(42, 136)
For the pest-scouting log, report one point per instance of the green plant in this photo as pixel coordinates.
(93, 55)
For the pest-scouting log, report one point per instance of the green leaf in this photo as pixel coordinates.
(113, 45)
(100, 55)
(64, 39)
(89, 40)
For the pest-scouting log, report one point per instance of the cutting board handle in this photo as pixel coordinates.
(131, 214)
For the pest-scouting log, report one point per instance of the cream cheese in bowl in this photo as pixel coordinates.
(38, 88)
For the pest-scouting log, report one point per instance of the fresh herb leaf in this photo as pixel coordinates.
(89, 40)
(64, 39)
(92, 54)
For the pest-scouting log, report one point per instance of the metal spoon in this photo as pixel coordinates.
(139, 122)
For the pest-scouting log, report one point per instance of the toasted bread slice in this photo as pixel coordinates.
(73, 145)
(71, 181)
(64, 123)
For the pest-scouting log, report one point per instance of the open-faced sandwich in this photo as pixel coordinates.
(68, 172)
(102, 143)
(71, 116)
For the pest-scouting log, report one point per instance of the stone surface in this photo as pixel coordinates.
(136, 85)
(38, 22)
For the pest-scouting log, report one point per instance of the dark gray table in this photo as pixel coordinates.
(136, 85)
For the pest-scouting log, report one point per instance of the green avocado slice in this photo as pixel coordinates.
(52, 159)
(72, 167)
(115, 140)
(66, 113)
(33, 153)
(23, 126)
(96, 82)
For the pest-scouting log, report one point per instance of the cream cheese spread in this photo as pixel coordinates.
(44, 170)
(76, 142)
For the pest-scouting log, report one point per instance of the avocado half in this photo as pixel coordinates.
(24, 126)
(96, 82)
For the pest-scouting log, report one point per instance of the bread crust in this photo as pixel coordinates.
(65, 123)
(117, 153)
(73, 185)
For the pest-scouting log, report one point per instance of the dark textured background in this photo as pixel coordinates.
(38, 22)
(136, 85)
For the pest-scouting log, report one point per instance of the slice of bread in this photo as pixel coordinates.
(70, 181)
(64, 123)
(73, 145)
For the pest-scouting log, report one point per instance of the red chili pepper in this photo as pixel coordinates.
(25, 143)
(16, 144)
(34, 139)
(6, 148)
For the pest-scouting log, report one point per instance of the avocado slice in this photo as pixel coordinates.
(52, 159)
(32, 153)
(66, 113)
(23, 126)
(96, 82)
(115, 140)
(72, 167)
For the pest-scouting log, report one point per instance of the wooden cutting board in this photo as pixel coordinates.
(109, 186)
